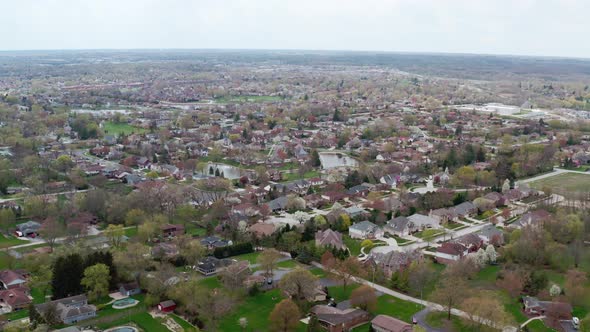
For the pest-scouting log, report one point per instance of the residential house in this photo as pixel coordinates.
(535, 307)
(533, 218)
(356, 212)
(210, 265)
(28, 229)
(212, 242)
(329, 238)
(393, 261)
(360, 191)
(384, 323)
(278, 204)
(128, 289)
(14, 299)
(464, 209)
(365, 230)
(337, 320)
(403, 226)
(443, 215)
(171, 230)
(70, 310)
(491, 235)
(10, 279)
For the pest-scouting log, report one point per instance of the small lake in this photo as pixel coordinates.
(229, 172)
(336, 159)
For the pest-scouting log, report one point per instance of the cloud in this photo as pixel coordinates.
(533, 27)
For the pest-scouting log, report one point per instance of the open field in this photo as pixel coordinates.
(113, 128)
(567, 182)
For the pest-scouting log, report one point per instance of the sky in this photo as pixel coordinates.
(516, 27)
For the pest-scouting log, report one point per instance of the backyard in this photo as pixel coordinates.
(114, 128)
(564, 183)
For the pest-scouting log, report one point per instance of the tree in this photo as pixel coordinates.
(347, 269)
(66, 276)
(51, 230)
(555, 290)
(315, 158)
(135, 217)
(491, 254)
(268, 260)
(115, 234)
(284, 317)
(299, 284)
(575, 291)
(96, 281)
(364, 297)
(450, 293)
(421, 273)
(7, 219)
(481, 258)
(511, 281)
(485, 309)
(192, 251)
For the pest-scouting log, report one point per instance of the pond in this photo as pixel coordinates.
(227, 171)
(336, 159)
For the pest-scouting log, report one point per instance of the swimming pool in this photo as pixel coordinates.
(123, 329)
(124, 303)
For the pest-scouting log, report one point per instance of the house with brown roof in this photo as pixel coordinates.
(172, 230)
(10, 279)
(384, 323)
(337, 320)
(14, 299)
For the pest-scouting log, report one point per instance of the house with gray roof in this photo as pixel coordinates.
(70, 310)
(329, 238)
(365, 230)
(403, 226)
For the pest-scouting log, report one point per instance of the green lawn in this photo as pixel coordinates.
(394, 307)
(255, 309)
(131, 232)
(564, 183)
(290, 264)
(340, 294)
(112, 128)
(400, 240)
(487, 275)
(142, 319)
(250, 257)
(295, 176)
(453, 225)
(9, 241)
(211, 282)
(353, 245)
(427, 233)
(316, 271)
(538, 326)
(439, 320)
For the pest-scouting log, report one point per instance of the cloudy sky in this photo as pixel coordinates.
(523, 27)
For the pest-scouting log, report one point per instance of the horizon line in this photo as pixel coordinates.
(159, 49)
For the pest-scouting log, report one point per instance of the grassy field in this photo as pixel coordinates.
(142, 319)
(112, 128)
(9, 241)
(353, 245)
(255, 309)
(295, 176)
(250, 257)
(341, 294)
(567, 182)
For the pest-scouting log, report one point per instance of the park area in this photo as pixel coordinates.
(564, 184)
(114, 128)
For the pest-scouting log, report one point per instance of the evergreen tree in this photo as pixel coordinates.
(67, 274)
